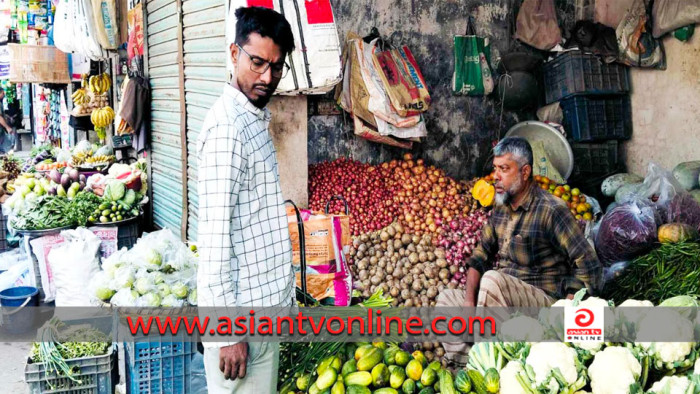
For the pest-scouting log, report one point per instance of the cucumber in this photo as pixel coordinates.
(369, 360)
(326, 379)
(361, 378)
(386, 390)
(349, 367)
(354, 389)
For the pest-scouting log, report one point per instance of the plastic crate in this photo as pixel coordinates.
(593, 158)
(579, 73)
(597, 118)
(159, 367)
(4, 245)
(97, 375)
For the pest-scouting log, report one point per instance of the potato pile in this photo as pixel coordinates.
(407, 266)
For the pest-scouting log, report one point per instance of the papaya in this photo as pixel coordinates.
(484, 193)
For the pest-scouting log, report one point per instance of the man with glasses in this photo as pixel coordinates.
(244, 246)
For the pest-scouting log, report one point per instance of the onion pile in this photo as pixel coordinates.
(407, 266)
(364, 188)
(427, 197)
(459, 238)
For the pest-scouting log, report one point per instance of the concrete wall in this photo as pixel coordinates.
(666, 110)
(460, 129)
(288, 128)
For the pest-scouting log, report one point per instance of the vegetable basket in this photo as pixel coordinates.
(95, 375)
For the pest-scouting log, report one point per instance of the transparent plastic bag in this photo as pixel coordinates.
(626, 232)
(659, 188)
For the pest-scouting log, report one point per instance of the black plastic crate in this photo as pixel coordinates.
(597, 118)
(4, 245)
(575, 73)
(96, 375)
(595, 158)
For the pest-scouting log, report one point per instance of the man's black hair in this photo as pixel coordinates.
(267, 23)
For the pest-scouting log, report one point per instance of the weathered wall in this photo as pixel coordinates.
(460, 128)
(666, 110)
(288, 129)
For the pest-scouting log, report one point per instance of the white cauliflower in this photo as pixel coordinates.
(671, 385)
(522, 328)
(509, 378)
(613, 371)
(546, 356)
(629, 316)
(552, 319)
(636, 303)
(667, 353)
(696, 368)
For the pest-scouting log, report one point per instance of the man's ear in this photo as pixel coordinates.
(233, 51)
(527, 171)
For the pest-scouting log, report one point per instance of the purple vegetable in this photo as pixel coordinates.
(81, 178)
(52, 190)
(626, 232)
(55, 176)
(74, 175)
(82, 185)
(65, 181)
(684, 209)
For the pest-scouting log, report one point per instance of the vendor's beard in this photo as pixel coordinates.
(507, 196)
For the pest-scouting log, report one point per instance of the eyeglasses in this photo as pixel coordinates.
(259, 65)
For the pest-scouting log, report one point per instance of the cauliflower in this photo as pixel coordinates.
(628, 318)
(522, 327)
(509, 378)
(671, 385)
(553, 320)
(696, 368)
(614, 370)
(552, 364)
(667, 355)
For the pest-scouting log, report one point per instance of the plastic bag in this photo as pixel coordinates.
(74, 263)
(636, 44)
(684, 209)
(537, 24)
(626, 232)
(659, 188)
(17, 275)
(669, 15)
(611, 12)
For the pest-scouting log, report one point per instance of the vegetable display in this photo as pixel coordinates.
(159, 270)
(458, 239)
(655, 276)
(406, 266)
(364, 367)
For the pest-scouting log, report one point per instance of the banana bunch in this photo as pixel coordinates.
(80, 97)
(80, 157)
(102, 117)
(100, 84)
(100, 159)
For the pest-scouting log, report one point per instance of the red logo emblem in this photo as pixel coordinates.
(584, 317)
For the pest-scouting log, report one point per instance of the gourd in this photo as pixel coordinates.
(677, 232)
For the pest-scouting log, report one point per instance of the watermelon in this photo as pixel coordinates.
(612, 183)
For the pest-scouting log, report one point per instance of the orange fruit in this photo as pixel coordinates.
(588, 216)
(575, 191)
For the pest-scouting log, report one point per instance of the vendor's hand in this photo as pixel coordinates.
(232, 361)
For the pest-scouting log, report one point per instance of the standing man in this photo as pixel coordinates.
(7, 136)
(245, 251)
(532, 251)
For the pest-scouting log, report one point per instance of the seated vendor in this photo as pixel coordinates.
(532, 251)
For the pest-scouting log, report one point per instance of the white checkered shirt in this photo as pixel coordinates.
(244, 247)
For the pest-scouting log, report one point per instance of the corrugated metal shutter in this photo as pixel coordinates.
(205, 75)
(163, 32)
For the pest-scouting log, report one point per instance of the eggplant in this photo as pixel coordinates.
(52, 190)
(65, 181)
(55, 176)
(74, 175)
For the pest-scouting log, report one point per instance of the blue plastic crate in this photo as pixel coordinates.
(597, 118)
(94, 375)
(575, 72)
(596, 158)
(159, 367)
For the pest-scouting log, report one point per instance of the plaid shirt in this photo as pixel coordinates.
(245, 251)
(539, 243)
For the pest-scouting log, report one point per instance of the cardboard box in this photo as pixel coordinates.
(38, 64)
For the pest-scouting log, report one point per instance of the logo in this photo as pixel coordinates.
(584, 324)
